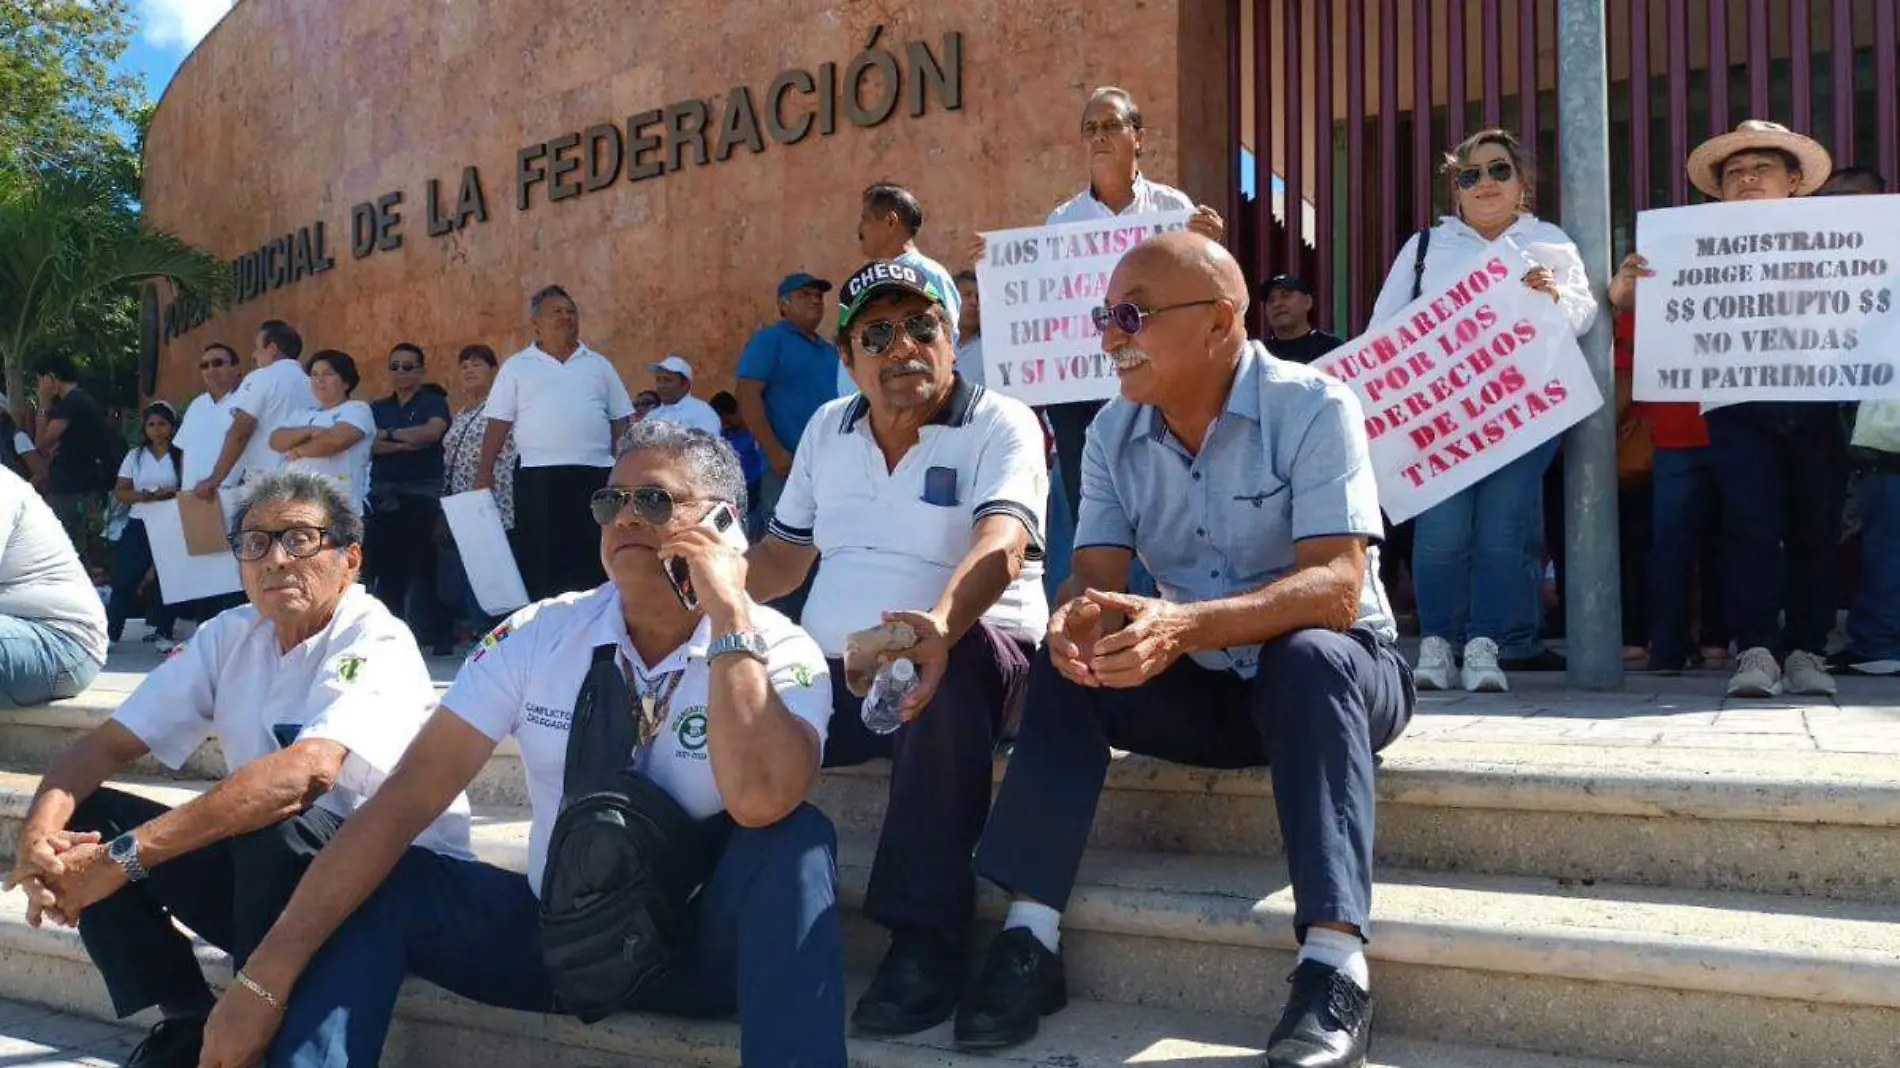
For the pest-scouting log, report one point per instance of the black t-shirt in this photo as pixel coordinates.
(78, 464)
(1306, 349)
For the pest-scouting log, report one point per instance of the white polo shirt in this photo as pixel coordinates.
(201, 437)
(1149, 197)
(349, 469)
(884, 545)
(149, 473)
(523, 678)
(359, 682)
(689, 411)
(276, 396)
(562, 410)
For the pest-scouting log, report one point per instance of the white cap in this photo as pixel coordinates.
(676, 364)
(902, 670)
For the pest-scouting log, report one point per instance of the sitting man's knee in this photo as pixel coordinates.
(1309, 654)
(803, 829)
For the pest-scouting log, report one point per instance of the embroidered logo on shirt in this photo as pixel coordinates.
(176, 651)
(802, 675)
(490, 640)
(348, 666)
(690, 731)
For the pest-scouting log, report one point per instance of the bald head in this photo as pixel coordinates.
(1185, 261)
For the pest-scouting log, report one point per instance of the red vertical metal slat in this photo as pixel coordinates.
(1718, 67)
(1454, 72)
(1678, 32)
(1421, 113)
(1886, 125)
(1293, 102)
(1263, 149)
(1388, 139)
(1235, 135)
(1800, 64)
(1841, 67)
(1527, 73)
(1355, 163)
(1758, 60)
(1493, 64)
(1554, 207)
(1323, 199)
(1639, 104)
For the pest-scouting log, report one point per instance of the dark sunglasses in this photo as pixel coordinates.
(206, 365)
(1499, 171)
(1129, 317)
(652, 504)
(403, 368)
(877, 338)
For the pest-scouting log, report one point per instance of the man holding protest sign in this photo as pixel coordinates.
(1242, 483)
(1762, 274)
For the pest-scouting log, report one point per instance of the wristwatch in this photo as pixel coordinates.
(124, 851)
(749, 642)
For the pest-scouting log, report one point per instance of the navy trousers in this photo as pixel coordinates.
(769, 945)
(1321, 704)
(942, 766)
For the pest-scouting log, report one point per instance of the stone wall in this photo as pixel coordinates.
(293, 113)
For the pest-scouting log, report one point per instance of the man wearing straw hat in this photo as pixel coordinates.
(1780, 466)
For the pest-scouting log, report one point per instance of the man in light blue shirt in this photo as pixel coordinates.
(1244, 485)
(786, 373)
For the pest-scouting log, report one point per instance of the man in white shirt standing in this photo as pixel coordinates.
(673, 381)
(924, 495)
(207, 420)
(733, 708)
(274, 396)
(567, 407)
(313, 692)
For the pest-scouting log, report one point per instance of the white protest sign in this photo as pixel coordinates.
(1463, 381)
(1037, 285)
(181, 576)
(1789, 300)
(482, 543)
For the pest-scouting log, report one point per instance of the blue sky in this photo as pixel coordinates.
(166, 32)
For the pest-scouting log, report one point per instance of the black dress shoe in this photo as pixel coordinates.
(1542, 660)
(1327, 1022)
(916, 987)
(172, 1044)
(1021, 982)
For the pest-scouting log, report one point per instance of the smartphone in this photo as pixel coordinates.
(722, 520)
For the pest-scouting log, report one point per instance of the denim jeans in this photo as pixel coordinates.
(1873, 623)
(1684, 549)
(130, 562)
(39, 664)
(1471, 565)
(1782, 472)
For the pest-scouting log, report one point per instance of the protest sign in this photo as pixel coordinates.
(182, 574)
(1037, 285)
(1789, 300)
(1463, 381)
(475, 521)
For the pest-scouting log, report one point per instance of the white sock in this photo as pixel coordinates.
(1039, 920)
(1338, 950)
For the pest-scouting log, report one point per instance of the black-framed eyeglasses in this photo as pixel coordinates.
(652, 504)
(300, 542)
(1129, 317)
(1498, 170)
(1112, 128)
(403, 368)
(877, 338)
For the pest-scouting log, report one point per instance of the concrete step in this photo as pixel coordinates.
(1665, 977)
(1800, 823)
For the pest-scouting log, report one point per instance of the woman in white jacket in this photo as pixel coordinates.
(1476, 563)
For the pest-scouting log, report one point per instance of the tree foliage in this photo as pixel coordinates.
(61, 104)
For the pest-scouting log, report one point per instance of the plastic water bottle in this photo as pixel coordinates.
(893, 683)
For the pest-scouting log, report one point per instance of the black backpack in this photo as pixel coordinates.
(625, 862)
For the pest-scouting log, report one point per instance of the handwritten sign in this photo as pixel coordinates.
(1789, 300)
(1463, 381)
(1038, 285)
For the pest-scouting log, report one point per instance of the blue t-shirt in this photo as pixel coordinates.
(751, 458)
(800, 375)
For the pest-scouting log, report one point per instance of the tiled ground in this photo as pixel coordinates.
(33, 1037)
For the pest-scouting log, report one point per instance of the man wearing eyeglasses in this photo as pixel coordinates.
(732, 706)
(923, 495)
(405, 481)
(1243, 484)
(313, 692)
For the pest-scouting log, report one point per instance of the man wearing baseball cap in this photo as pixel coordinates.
(673, 381)
(1290, 334)
(786, 373)
(1780, 466)
(923, 495)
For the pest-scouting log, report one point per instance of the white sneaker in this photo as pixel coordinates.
(1482, 673)
(1756, 674)
(164, 646)
(1435, 665)
(1807, 674)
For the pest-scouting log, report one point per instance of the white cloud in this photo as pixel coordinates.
(180, 23)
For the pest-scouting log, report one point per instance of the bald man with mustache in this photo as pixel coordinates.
(1243, 484)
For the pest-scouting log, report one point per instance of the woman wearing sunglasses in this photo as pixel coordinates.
(1477, 562)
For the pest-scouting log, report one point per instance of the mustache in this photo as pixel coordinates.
(908, 367)
(1126, 354)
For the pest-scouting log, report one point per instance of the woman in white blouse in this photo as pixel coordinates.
(148, 473)
(336, 439)
(1477, 561)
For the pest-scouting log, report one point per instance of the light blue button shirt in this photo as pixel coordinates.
(1286, 461)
